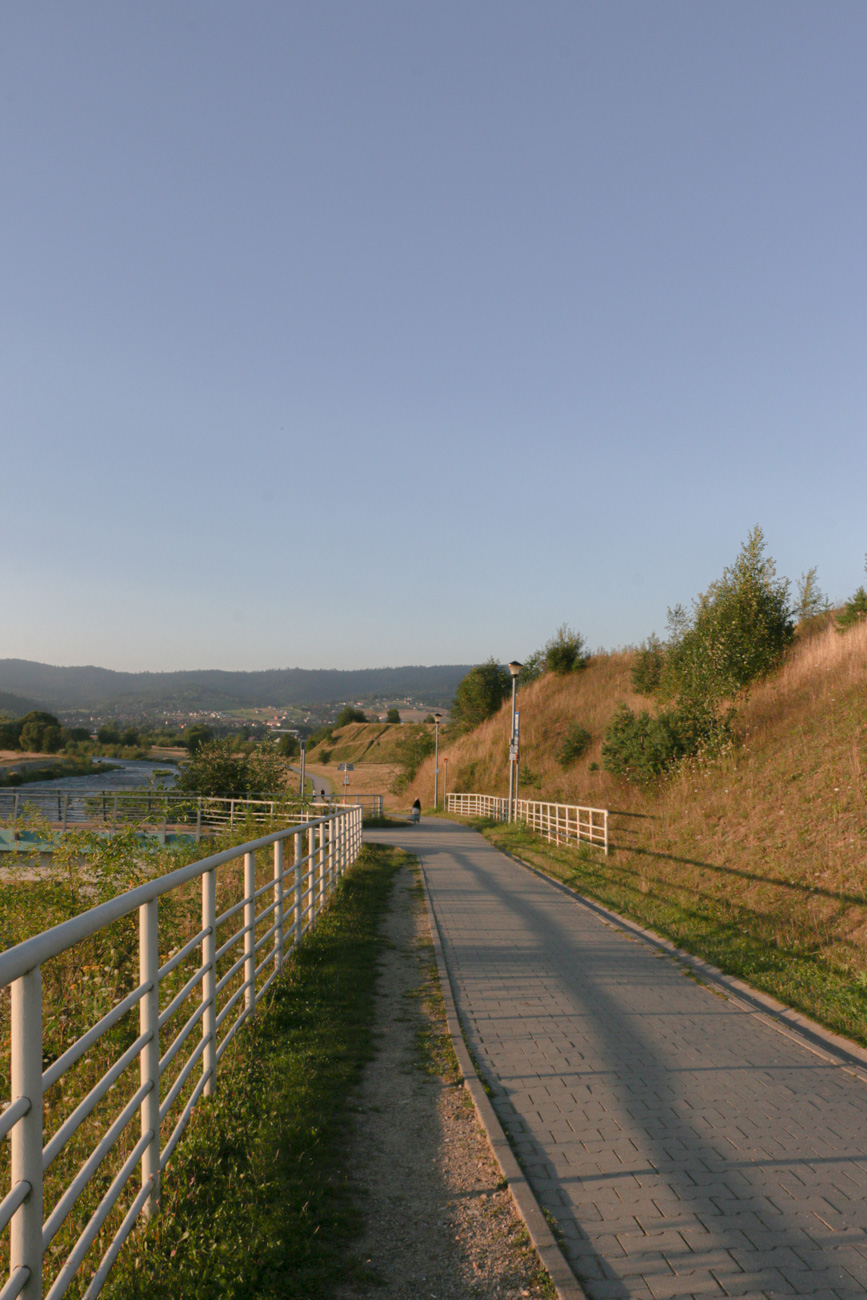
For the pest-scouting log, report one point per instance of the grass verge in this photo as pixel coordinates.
(257, 1200)
(769, 951)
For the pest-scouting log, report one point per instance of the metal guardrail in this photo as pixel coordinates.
(162, 808)
(559, 823)
(224, 987)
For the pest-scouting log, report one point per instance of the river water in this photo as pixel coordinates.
(130, 774)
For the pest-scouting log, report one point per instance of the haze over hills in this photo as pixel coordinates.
(16, 705)
(202, 689)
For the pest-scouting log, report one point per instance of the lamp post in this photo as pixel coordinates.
(437, 717)
(514, 669)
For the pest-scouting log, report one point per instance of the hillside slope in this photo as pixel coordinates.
(361, 742)
(771, 836)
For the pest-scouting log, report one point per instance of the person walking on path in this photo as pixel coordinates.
(415, 812)
(685, 1143)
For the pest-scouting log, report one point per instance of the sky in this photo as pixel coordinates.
(360, 333)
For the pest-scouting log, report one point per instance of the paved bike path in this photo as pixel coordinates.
(684, 1146)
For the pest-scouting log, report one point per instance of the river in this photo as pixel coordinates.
(129, 774)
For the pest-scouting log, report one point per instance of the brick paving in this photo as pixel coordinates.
(684, 1146)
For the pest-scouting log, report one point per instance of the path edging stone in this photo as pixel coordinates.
(543, 1239)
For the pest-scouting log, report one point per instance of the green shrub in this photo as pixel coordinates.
(812, 602)
(40, 732)
(219, 767)
(565, 652)
(738, 630)
(349, 715)
(640, 746)
(576, 742)
(853, 611)
(415, 743)
(532, 668)
(648, 667)
(194, 737)
(529, 778)
(480, 694)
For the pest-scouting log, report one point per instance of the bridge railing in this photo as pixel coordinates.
(66, 1116)
(559, 823)
(163, 808)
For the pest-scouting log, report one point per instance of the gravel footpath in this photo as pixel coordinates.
(440, 1223)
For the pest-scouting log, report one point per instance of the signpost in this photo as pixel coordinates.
(345, 768)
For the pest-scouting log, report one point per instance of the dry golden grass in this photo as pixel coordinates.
(479, 761)
(361, 742)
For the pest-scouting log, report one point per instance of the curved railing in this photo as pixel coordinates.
(559, 823)
(212, 983)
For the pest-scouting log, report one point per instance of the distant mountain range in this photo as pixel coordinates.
(93, 688)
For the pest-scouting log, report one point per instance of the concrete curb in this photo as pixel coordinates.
(785, 1020)
(549, 1252)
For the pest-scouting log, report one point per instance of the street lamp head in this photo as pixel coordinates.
(515, 667)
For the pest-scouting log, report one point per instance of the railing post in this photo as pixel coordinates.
(311, 877)
(198, 819)
(27, 1134)
(149, 1057)
(321, 855)
(209, 983)
(299, 884)
(65, 812)
(278, 899)
(606, 831)
(249, 932)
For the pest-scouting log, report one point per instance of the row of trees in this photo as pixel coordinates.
(39, 733)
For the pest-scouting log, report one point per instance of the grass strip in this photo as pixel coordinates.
(740, 940)
(257, 1200)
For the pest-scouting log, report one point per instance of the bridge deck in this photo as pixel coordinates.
(684, 1145)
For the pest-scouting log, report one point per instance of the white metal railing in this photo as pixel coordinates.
(224, 977)
(161, 808)
(560, 823)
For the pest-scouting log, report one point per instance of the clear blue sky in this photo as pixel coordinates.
(344, 334)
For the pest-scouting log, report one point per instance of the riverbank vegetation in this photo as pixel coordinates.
(54, 770)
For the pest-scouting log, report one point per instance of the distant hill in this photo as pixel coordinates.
(100, 688)
(16, 705)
